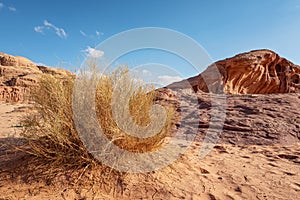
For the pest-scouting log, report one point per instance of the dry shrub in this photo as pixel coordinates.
(140, 104)
(50, 130)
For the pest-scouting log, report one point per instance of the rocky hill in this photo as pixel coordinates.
(262, 100)
(18, 75)
(255, 72)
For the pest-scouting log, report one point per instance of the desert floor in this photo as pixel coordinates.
(228, 172)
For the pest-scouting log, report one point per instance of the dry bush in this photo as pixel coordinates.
(139, 106)
(50, 130)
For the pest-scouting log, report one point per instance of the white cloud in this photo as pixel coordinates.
(99, 33)
(92, 52)
(146, 72)
(83, 33)
(58, 31)
(13, 9)
(47, 25)
(91, 36)
(166, 80)
(10, 8)
(40, 64)
(39, 29)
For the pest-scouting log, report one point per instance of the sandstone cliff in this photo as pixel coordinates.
(255, 114)
(18, 75)
(255, 72)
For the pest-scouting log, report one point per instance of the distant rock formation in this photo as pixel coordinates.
(18, 75)
(254, 72)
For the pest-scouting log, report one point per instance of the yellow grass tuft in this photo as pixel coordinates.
(140, 104)
(50, 130)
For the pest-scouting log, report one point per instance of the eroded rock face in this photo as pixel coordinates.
(265, 111)
(251, 119)
(9, 60)
(18, 75)
(255, 72)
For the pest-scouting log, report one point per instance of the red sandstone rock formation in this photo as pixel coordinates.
(18, 75)
(256, 115)
(255, 72)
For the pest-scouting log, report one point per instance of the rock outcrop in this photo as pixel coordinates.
(251, 119)
(255, 72)
(18, 75)
(9, 60)
(261, 106)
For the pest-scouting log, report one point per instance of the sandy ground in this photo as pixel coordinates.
(228, 172)
(10, 116)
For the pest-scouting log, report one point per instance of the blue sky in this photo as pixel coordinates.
(58, 32)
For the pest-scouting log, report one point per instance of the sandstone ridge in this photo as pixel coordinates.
(254, 72)
(18, 75)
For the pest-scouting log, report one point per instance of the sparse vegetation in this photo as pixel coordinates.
(50, 130)
(139, 106)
